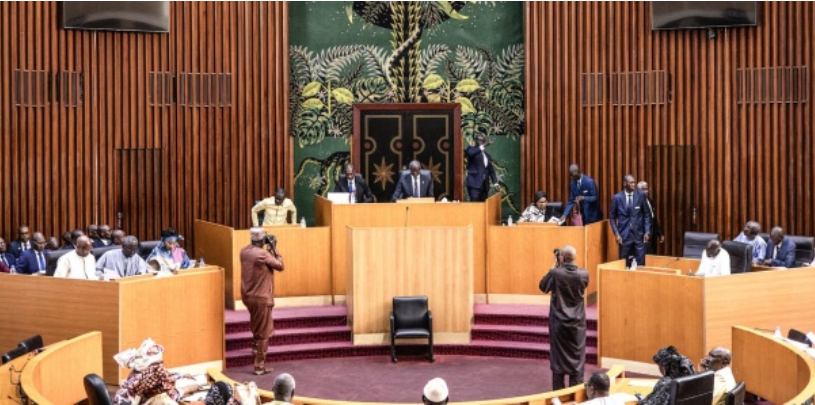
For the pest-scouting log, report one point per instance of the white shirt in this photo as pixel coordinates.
(71, 265)
(723, 381)
(717, 266)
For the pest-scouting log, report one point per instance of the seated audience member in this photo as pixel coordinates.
(355, 185)
(718, 361)
(169, 249)
(32, 261)
(750, 236)
(78, 264)
(7, 259)
(780, 251)
(126, 261)
(715, 261)
(52, 244)
(672, 365)
(538, 211)
(283, 389)
(22, 243)
(413, 184)
(148, 378)
(67, 241)
(597, 390)
(93, 233)
(117, 237)
(277, 210)
(75, 234)
(435, 392)
(104, 237)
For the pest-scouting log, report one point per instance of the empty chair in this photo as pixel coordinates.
(736, 395)
(411, 319)
(803, 249)
(146, 247)
(741, 256)
(696, 242)
(13, 354)
(96, 390)
(798, 336)
(694, 389)
(32, 343)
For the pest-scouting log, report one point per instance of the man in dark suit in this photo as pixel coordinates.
(479, 170)
(583, 192)
(353, 182)
(22, 243)
(780, 250)
(414, 184)
(630, 220)
(32, 261)
(656, 230)
(6, 258)
(104, 236)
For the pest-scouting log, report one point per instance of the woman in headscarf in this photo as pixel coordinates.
(169, 249)
(672, 365)
(538, 211)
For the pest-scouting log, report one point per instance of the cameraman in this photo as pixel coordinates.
(257, 290)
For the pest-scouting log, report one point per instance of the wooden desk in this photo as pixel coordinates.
(184, 313)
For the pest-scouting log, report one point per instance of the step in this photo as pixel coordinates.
(243, 339)
(288, 318)
(521, 333)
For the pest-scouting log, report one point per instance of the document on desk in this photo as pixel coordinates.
(111, 274)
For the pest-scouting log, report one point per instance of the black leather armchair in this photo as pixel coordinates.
(146, 247)
(741, 256)
(411, 319)
(694, 389)
(13, 354)
(51, 259)
(32, 343)
(803, 250)
(99, 251)
(96, 390)
(736, 395)
(696, 242)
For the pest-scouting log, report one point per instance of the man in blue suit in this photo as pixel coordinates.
(780, 250)
(583, 191)
(630, 220)
(22, 243)
(479, 170)
(32, 260)
(414, 184)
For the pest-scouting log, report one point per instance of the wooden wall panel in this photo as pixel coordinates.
(62, 164)
(752, 160)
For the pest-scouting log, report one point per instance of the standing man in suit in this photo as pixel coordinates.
(583, 191)
(780, 251)
(32, 260)
(414, 184)
(656, 230)
(6, 258)
(22, 243)
(630, 220)
(479, 170)
(355, 185)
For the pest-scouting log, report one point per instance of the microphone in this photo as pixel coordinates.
(407, 215)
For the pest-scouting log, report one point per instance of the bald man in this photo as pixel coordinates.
(718, 361)
(414, 184)
(79, 263)
(715, 261)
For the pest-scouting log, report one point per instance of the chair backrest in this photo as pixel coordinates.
(556, 205)
(32, 343)
(765, 236)
(51, 260)
(99, 251)
(741, 256)
(798, 336)
(410, 312)
(146, 247)
(803, 249)
(736, 395)
(696, 242)
(694, 389)
(13, 354)
(96, 390)
(422, 171)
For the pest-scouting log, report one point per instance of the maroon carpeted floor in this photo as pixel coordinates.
(376, 379)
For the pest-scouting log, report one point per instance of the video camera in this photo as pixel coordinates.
(271, 240)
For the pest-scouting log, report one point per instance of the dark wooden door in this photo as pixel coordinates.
(671, 177)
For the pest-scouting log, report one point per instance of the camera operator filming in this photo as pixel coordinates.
(258, 265)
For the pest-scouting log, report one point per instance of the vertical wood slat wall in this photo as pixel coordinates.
(161, 165)
(753, 160)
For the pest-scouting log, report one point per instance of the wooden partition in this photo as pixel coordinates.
(306, 255)
(390, 262)
(772, 368)
(55, 376)
(519, 256)
(184, 313)
(340, 216)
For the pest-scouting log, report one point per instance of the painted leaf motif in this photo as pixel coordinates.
(311, 89)
(433, 82)
(343, 96)
(466, 105)
(313, 104)
(468, 86)
(434, 98)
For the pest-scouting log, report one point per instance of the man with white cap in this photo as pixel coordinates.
(257, 290)
(435, 392)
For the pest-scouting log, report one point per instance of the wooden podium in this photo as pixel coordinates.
(388, 262)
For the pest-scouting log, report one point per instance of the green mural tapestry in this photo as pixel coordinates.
(342, 53)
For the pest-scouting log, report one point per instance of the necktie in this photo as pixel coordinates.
(775, 251)
(26, 246)
(415, 187)
(628, 204)
(40, 261)
(486, 161)
(579, 183)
